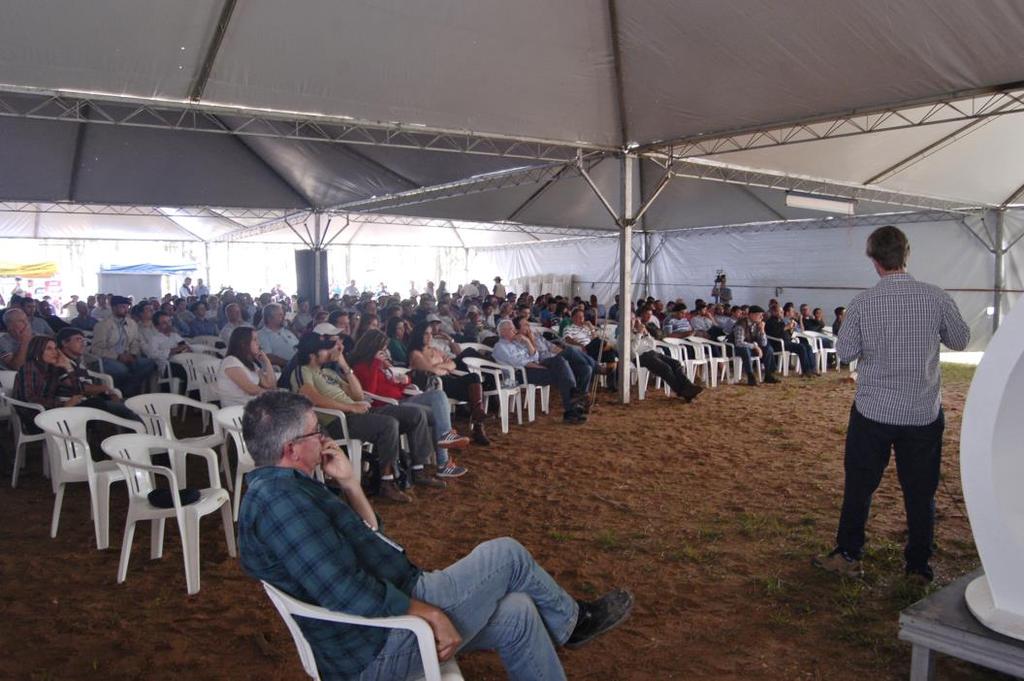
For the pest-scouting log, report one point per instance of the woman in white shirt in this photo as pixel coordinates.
(245, 371)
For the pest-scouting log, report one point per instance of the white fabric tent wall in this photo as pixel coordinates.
(822, 267)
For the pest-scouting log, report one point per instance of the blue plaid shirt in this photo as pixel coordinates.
(297, 535)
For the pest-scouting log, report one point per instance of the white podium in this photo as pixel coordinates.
(992, 472)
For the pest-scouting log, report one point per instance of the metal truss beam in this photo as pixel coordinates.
(502, 179)
(109, 109)
(949, 109)
(206, 68)
(873, 220)
(706, 169)
(143, 211)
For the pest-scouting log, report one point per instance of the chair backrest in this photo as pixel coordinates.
(204, 340)
(479, 347)
(138, 449)
(230, 419)
(65, 429)
(155, 410)
(289, 607)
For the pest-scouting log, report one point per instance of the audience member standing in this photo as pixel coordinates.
(893, 330)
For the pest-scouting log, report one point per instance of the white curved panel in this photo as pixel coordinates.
(992, 470)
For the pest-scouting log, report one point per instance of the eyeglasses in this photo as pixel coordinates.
(316, 433)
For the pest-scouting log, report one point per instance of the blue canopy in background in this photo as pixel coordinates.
(150, 268)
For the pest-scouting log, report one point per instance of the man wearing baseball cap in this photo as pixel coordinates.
(117, 341)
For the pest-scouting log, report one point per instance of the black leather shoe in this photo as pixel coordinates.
(600, 616)
(770, 378)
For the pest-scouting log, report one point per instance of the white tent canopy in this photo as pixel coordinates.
(469, 125)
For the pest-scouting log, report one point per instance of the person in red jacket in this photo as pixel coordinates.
(371, 365)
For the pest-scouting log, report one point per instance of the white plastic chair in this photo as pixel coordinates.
(71, 461)
(479, 347)
(678, 349)
(106, 380)
(21, 438)
(718, 367)
(230, 420)
(289, 607)
(155, 411)
(351, 446)
(785, 356)
(505, 395)
(640, 375)
(821, 351)
(737, 363)
(210, 341)
(133, 455)
(201, 374)
(530, 393)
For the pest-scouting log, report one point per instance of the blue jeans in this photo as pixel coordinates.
(130, 378)
(583, 365)
(767, 360)
(441, 416)
(499, 599)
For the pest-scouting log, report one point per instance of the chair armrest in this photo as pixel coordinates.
(163, 471)
(380, 398)
(211, 461)
(338, 414)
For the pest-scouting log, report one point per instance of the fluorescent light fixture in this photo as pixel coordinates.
(822, 203)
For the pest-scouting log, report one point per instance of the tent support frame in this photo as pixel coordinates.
(999, 269)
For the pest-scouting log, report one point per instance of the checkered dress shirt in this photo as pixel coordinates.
(893, 330)
(297, 535)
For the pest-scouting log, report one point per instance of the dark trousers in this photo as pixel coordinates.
(414, 423)
(582, 366)
(556, 372)
(804, 353)
(767, 360)
(918, 455)
(667, 369)
(379, 430)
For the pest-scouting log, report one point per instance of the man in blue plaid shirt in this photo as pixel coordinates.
(893, 330)
(302, 538)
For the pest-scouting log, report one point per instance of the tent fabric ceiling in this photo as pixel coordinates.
(525, 69)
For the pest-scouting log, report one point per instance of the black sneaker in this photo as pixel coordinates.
(574, 417)
(751, 381)
(770, 378)
(600, 616)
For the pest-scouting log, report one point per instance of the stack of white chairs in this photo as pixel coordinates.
(71, 461)
(133, 455)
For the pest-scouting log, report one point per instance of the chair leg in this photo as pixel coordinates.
(19, 461)
(189, 526)
(57, 502)
(229, 530)
(519, 406)
(504, 399)
(126, 549)
(101, 516)
(156, 538)
(238, 493)
(225, 465)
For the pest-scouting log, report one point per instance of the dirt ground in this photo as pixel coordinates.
(709, 512)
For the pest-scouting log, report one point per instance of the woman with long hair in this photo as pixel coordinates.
(339, 389)
(43, 379)
(372, 370)
(366, 322)
(467, 388)
(245, 371)
(398, 333)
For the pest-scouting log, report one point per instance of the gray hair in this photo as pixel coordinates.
(271, 421)
(504, 322)
(11, 313)
(268, 308)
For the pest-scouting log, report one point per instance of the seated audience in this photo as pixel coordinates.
(15, 341)
(341, 391)
(84, 321)
(750, 340)
(840, 313)
(39, 381)
(426, 360)
(44, 312)
(661, 365)
(71, 345)
(373, 370)
(28, 306)
(297, 535)
(584, 335)
(165, 343)
(277, 341)
(583, 365)
(117, 341)
(233, 320)
(777, 327)
(102, 310)
(518, 352)
(245, 371)
(200, 324)
(398, 333)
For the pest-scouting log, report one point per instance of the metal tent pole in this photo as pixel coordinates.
(1000, 269)
(630, 163)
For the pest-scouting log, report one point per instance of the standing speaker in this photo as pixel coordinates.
(311, 275)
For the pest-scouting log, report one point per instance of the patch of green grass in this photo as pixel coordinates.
(772, 586)
(758, 526)
(608, 540)
(706, 534)
(559, 536)
(953, 373)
